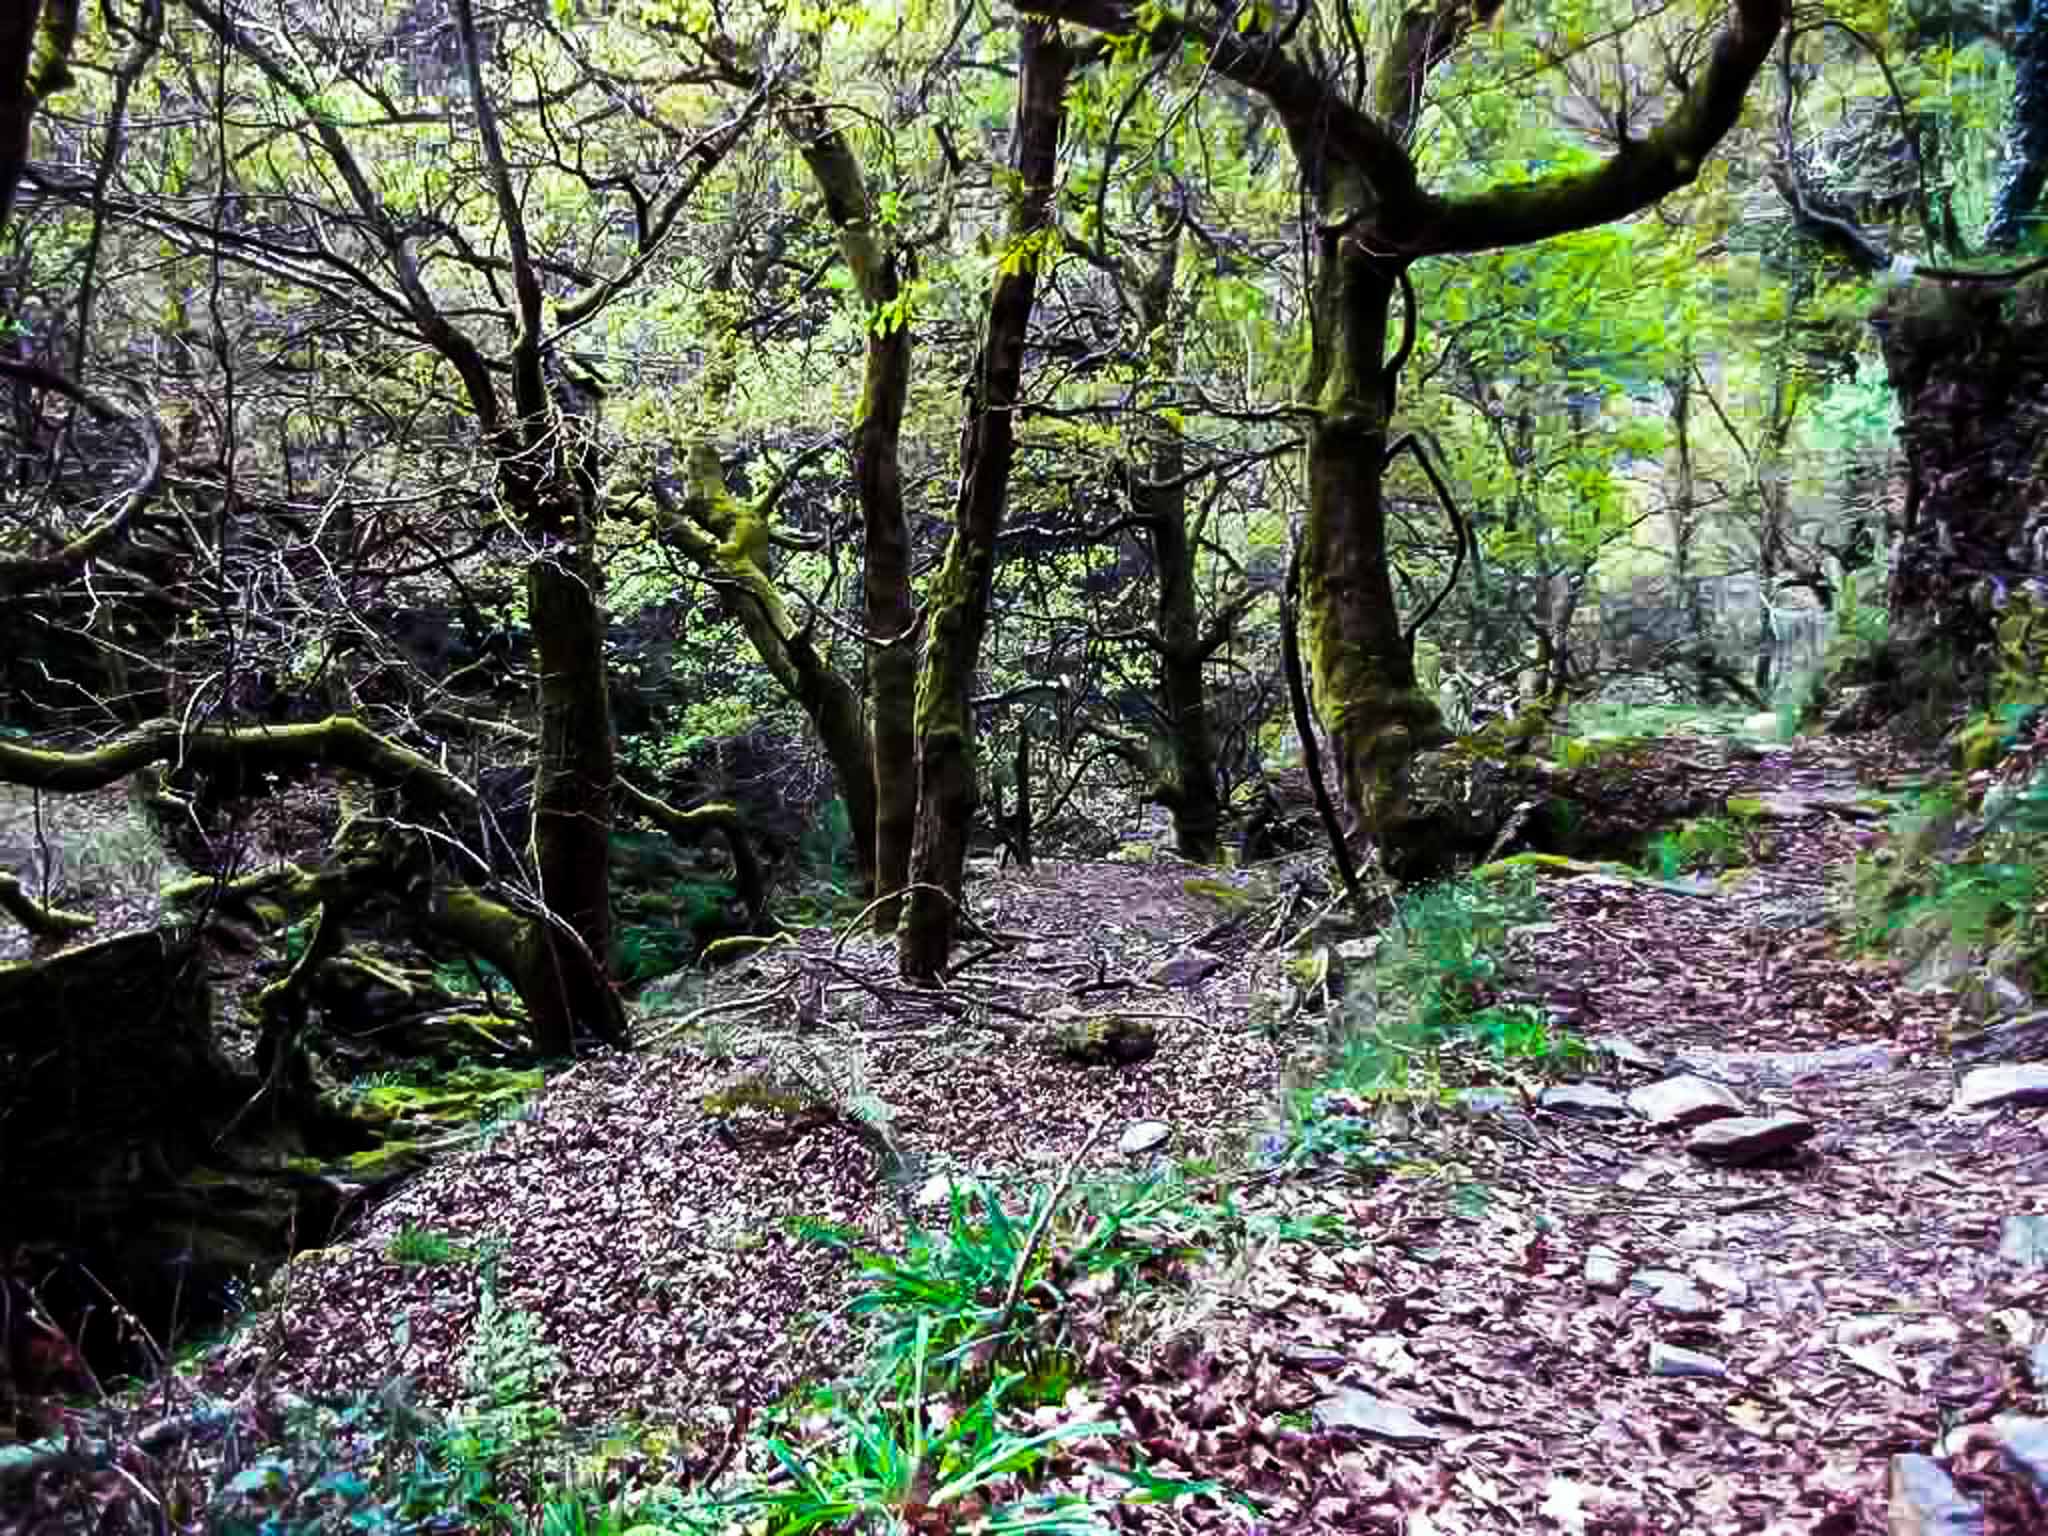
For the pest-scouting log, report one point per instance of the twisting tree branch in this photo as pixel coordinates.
(1305, 727)
(1461, 530)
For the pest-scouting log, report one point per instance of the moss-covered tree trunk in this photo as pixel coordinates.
(1362, 669)
(730, 543)
(891, 614)
(889, 609)
(957, 613)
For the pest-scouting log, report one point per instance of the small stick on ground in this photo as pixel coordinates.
(1015, 1291)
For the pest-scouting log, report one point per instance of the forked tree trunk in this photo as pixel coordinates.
(957, 611)
(1362, 669)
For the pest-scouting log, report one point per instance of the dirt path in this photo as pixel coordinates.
(1536, 1320)
(1567, 1321)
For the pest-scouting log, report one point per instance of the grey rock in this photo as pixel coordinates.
(2037, 1365)
(1586, 1101)
(1925, 1503)
(2024, 1241)
(1682, 1299)
(1624, 1052)
(1995, 1087)
(1370, 1414)
(1650, 1281)
(1488, 1101)
(1144, 1136)
(1669, 1360)
(1748, 1138)
(2014, 1040)
(2025, 1444)
(1679, 1103)
(1779, 1068)
(1187, 968)
(1723, 1278)
(1603, 1270)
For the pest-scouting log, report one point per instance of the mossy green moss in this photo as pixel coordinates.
(1547, 864)
(1230, 897)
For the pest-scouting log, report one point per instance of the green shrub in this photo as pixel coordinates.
(1709, 842)
(1447, 947)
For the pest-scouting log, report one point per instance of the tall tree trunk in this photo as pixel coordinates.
(1363, 670)
(1970, 372)
(35, 64)
(957, 612)
(890, 611)
(572, 799)
(2024, 166)
(1161, 499)
(1685, 505)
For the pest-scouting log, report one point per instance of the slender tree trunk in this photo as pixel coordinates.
(957, 612)
(890, 610)
(891, 613)
(1192, 797)
(1162, 501)
(1685, 505)
(1363, 670)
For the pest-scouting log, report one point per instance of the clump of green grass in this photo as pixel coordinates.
(421, 1248)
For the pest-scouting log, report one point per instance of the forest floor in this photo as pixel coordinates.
(1521, 1314)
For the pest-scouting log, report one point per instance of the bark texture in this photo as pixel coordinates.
(1970, 370)
(957, 612)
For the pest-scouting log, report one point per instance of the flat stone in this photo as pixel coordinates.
(1723, 1278)
(1679, 1103)
(2024, 1241)
(1783, 1067)
(1669, 1360)
(2025, 1444)
(1488, 1101)
(1682, 1299)
(1585, 1101)
(1995, 1087)
(1187, 968)
(1144, 1136)
(1603, 1270)
(2014, 1040)
(1624, 1052)
(1369, 1414)
(1650, 1281)
(1747, 1138)
(1924, 1502)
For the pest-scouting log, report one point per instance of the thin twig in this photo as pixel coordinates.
(1015, 1291)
